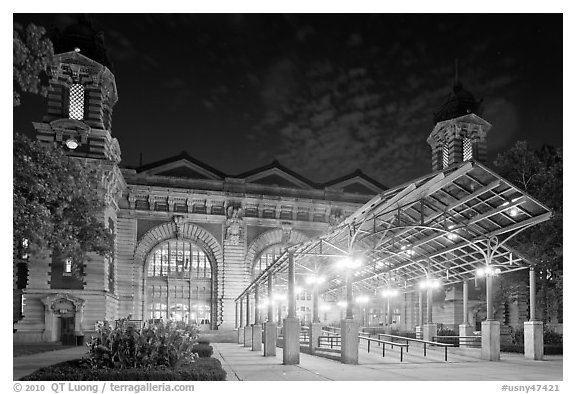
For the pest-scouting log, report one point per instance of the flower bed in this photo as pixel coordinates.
(159, 351)
(77, 370)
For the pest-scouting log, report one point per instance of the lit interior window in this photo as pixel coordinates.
(445, 160)
(68, 265)
(76, 109)
(467, 148)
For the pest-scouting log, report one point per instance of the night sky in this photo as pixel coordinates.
(323, 94)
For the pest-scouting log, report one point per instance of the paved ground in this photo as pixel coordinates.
(243, 364)
(25, 365)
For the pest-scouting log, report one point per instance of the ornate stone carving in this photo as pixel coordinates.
(179, 221)
(336, 217)
(286, 232)
(54, 302)
(234, 222)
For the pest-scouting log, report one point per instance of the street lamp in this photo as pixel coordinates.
(488, 272)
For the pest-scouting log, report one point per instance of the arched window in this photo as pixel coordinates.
(266, 258)
(76, 106)
(179, 259)
(179, 283)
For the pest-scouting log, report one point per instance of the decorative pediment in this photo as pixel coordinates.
(277, 177)
(182, 166)
(356, 183)
(63, 301)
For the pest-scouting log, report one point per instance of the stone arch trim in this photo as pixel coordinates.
(189, 232)
(168, 231)
(270, 238)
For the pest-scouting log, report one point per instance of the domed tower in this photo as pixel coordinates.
(82, 94)
(460, 132)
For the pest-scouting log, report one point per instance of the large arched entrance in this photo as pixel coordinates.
(179, 283)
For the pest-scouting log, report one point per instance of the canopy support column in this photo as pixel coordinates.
(533, 329)
(270, 330)
(291, 354)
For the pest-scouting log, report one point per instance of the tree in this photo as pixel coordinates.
(58, 201)
(540, 174)
(33, 53)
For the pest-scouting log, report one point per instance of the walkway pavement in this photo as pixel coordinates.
(25, 365)
(243, 364)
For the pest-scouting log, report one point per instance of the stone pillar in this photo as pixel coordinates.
(236, 316)
(490, 340)
(256, 328)
(315, 314)
(349, 341)
(533, 329)
(257, 337)
(349, 314)
(291, 354)
(429, 303)
(248, 328)
(420, 321)
(429, 331)
(315, 332)
(248, 336)
(465, 329)
(240, 323)
(490, 328)
(270, 331)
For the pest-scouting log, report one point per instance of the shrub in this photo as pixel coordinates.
(155, 345)
(75, 370)
(550, 337)
(447, 332)
(203, 350)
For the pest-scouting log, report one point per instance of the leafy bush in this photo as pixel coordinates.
(76, 370)
(155, 345)
(548, 349)
(447, 332)
(203, 350)
(550, 337)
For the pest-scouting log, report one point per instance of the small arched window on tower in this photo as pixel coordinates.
(445, 158)
(76, 102)
(466, 149)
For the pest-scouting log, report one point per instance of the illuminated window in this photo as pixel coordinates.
(179, 259)
(445, 159)
(467, 149)
(266, 258)
(68, 265)
(76, 108)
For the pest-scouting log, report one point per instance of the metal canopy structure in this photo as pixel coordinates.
(443, 226)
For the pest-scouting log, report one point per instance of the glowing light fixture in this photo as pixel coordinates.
(488, 271)
(362, 299)
(342, 304)
(315, 279)
(349, 263)
(514, 211)
(429, 284)
(71, 143)
(388, 293)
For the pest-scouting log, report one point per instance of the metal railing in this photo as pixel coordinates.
(472, 341)
(332, 340)
(422, 341)
(383, 344)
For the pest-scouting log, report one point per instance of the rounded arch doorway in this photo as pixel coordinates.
(179, 283)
